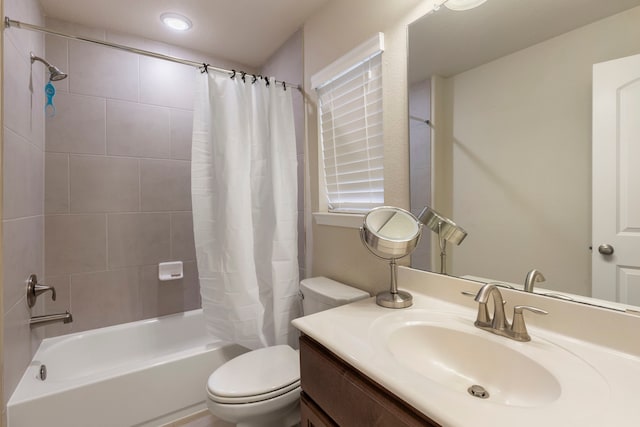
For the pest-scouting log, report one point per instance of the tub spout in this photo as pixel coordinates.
(48, 319)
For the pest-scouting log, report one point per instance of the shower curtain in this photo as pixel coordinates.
(244, 196)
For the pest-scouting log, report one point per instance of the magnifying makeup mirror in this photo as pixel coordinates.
(391, 233)
(447, 230)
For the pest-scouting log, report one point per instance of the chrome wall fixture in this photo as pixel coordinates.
(54, 72)
(34, 289)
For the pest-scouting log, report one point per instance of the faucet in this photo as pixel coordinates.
(48, 319)
(35, 289)
(532, 277)
(499, 324)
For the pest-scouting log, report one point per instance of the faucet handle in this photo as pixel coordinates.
(34, 289)
(518, 327)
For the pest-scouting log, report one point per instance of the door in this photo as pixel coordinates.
(616, 180)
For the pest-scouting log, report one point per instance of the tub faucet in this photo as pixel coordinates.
(532, 277)
(48, 319)
(35, 289)
(498, 324)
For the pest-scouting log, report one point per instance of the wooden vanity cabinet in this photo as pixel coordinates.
(336, 394)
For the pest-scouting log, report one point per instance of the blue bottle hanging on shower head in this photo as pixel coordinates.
(50, 92)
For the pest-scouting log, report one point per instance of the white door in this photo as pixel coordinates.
(616, 180)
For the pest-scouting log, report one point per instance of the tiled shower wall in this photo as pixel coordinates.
(117, 177)
(117, 180)
(23, 192)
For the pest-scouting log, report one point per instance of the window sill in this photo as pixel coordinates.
(339, 219)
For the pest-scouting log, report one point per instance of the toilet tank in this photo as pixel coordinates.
(321, 293)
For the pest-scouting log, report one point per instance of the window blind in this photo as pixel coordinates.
(351, 138)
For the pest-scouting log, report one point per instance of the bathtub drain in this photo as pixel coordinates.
(43, 372)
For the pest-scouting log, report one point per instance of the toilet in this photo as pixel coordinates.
(261, 388)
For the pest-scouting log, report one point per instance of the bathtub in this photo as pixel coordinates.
(145, 373)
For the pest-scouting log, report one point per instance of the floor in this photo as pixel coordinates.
(200, 419)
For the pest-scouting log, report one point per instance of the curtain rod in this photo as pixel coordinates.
(8, 23)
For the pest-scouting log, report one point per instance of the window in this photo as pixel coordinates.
(350, 111)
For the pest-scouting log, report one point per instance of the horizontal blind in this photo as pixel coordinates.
(351, 138)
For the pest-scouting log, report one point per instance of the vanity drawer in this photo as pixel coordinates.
(347, 396)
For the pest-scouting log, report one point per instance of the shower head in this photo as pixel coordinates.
(55, 73)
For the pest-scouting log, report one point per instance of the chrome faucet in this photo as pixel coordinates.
(498, 324)
(48, 319)
(532, 277)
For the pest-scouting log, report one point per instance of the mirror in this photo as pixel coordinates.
(391, 233)
(500, 106)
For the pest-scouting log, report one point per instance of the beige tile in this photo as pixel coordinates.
(167, 83)
(60, 305)
(22, 255)
(182, 244)
(17, 96)
(75, 243)
(137, 42)
(19, 10)
(181, 134)
(78, 126)
(102, 71)
(23, 165)
(165, 185)
(103, 184)
(104, 298)
(138, 239)
(56, 183)
(174, 296)
(17, 346)
(76, 29)
(138, 130)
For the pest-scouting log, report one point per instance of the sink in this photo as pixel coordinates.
(458, 360)
(448, 350)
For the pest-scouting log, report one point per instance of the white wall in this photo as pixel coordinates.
(520, 138)
(332, 32)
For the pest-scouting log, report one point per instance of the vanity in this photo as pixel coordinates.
(428, 365)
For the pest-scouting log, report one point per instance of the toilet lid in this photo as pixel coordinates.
(256, 372)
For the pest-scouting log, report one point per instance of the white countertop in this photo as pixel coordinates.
(598, 384)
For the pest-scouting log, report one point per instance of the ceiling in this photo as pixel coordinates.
(446, 42)
(244, 31)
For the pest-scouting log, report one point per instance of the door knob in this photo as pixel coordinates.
(605, 249)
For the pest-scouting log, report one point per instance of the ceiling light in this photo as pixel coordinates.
(463, 4)
(175, 21)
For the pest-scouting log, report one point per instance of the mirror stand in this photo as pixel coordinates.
(391, 233)
(393, 298)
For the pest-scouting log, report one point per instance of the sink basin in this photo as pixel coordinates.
(449, 351)
(458, 360)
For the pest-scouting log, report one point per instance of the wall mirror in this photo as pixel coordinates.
(501, 106)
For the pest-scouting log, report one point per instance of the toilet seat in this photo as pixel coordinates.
(256, 376)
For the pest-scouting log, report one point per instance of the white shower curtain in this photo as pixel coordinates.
(244, 195)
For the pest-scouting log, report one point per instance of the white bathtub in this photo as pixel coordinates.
(144, 373)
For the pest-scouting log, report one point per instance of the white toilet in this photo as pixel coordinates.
(261, 388)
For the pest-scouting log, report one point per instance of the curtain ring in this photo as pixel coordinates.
(284, 86)
(254, 79)
(233, 76)
(267, 82)
(243, 76)
(205, 68)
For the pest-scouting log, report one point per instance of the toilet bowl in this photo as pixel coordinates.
(261, 388)
(258, 388)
